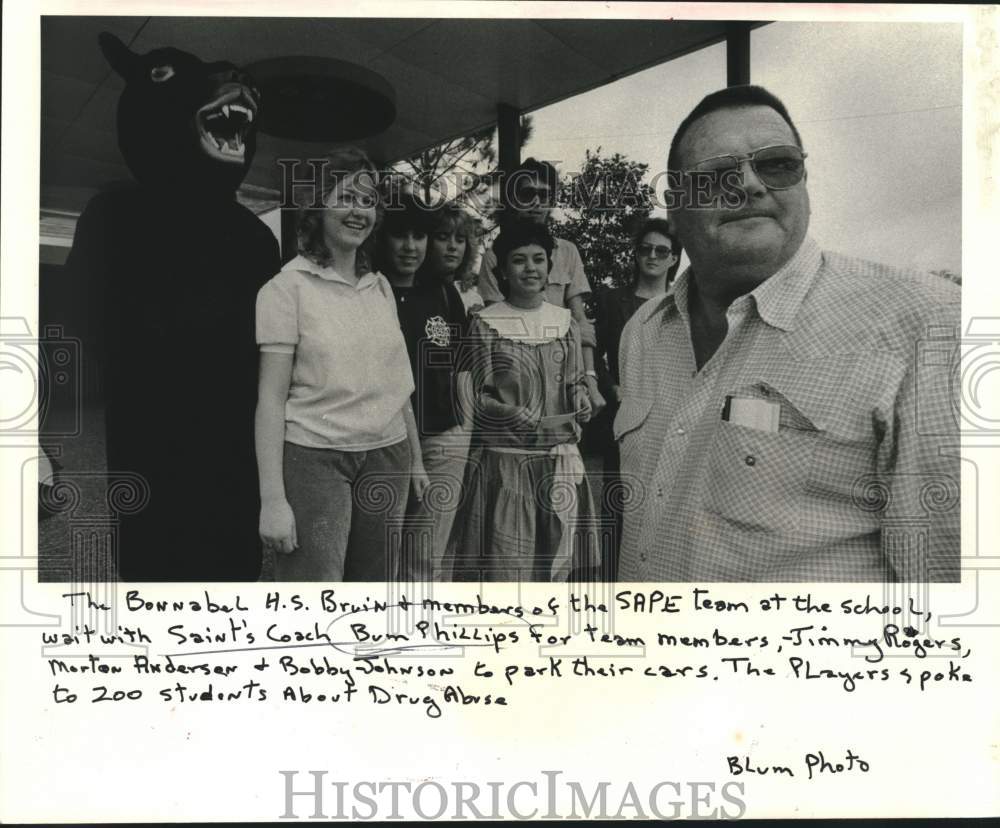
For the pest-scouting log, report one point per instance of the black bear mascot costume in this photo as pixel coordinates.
(174, 264)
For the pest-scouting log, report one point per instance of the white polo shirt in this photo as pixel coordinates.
(351, 374)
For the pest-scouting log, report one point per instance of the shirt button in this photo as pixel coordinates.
(750, 460)
(558, 377)
(679, 432)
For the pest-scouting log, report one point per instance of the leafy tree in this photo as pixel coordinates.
(463, 170)
(602, 206)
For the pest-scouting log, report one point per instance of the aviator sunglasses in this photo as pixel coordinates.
(658, 251)
(778, 167)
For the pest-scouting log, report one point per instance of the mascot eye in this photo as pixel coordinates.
(159, 74)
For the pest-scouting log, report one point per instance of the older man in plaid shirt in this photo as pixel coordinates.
(778, 422)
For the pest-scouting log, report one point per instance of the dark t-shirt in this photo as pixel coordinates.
(434, 325)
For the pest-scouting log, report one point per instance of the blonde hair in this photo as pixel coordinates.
(451, 217)
(338, 164)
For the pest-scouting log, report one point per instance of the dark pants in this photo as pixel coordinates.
(348, 508)
(613, 495)
(611, 510)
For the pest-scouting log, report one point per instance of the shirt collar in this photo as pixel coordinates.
(675, 299)
(307, 265)
(778, 298)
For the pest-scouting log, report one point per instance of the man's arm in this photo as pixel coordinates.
(576, 290)
(921, 468)
(628, 345)
(605, 382)
(487, 282)
(575, 377)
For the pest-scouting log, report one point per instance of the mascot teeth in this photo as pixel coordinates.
(247, 113)
(226, 126)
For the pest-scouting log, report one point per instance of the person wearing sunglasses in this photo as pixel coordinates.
(657, 256)
(778, 420)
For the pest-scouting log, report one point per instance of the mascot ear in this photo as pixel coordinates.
(122, 59)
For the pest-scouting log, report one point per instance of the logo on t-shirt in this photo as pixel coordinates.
(437, 331)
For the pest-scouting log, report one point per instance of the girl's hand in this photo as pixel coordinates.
(277, 526)
(419, 481)
(583, 406)
(522, 420)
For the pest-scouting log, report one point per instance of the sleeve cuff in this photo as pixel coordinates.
(276, 348)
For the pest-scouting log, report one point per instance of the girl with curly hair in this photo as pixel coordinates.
(336, 439)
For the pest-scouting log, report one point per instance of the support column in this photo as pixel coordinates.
(737, 53)
(289, 241)
(508, 136)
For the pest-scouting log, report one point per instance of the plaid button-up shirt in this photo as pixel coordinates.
(859, 483)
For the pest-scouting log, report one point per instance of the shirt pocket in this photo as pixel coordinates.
(839, 414)
(758, 479)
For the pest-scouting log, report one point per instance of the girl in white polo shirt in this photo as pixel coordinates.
(336, 442)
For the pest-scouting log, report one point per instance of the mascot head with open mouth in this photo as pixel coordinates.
(183, 122)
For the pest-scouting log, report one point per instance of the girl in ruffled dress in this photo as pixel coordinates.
(529, 512)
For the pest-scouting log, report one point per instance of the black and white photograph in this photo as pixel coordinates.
(479, 410)
(501, 300)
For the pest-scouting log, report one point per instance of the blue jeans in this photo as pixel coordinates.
(348, 508)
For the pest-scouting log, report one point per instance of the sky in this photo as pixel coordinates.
(878, 106)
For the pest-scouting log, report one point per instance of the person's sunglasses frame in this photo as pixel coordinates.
(736, 163)
(529, 194)
(654, 251)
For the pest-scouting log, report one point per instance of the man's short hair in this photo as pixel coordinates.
(529, 169)
(732, 97)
